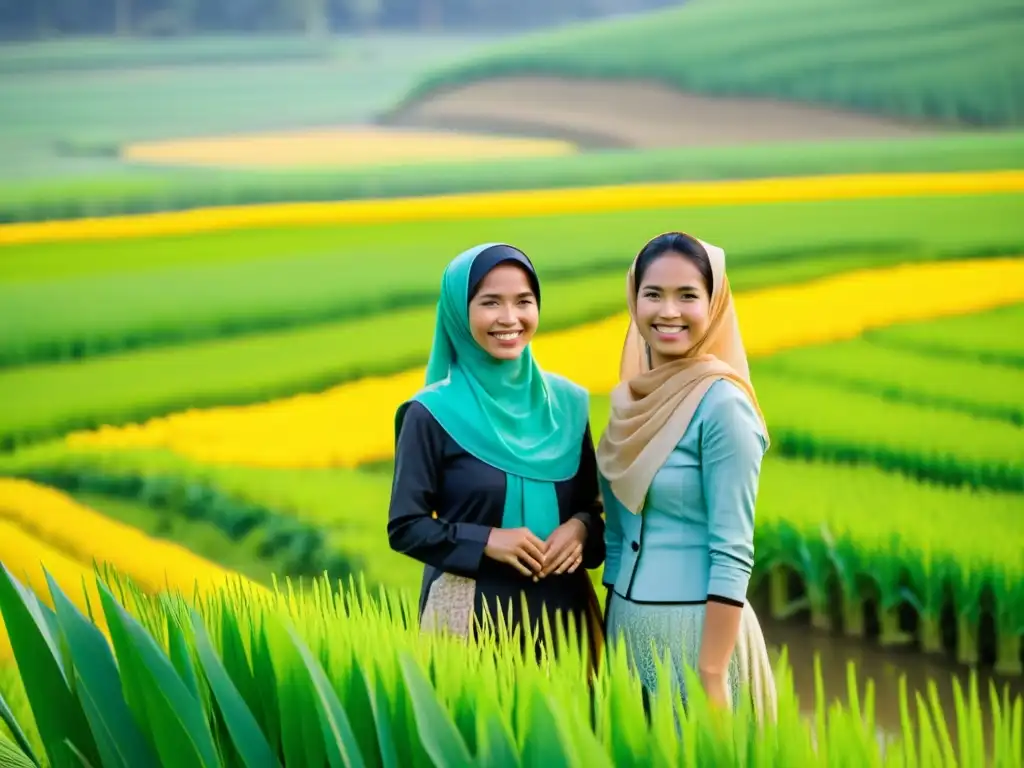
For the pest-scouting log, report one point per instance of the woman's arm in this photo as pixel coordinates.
(414, 529)
(612, 537)
(587, 500)
(732, 449)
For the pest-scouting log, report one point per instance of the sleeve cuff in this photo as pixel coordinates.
(611, 572)
(472, 540)
(472, 532)
(729, 586)
(725, 601)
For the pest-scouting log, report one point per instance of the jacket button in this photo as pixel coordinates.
(636, 546)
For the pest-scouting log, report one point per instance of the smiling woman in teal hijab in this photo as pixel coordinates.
(495, 486)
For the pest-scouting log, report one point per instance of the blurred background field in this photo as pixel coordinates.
(230, 388)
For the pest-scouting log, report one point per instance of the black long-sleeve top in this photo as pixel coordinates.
(445, 501)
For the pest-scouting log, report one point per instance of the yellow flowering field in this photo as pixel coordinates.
(24, 555)
(40, 526)
(540, 202)
(352, 424)
(340, 147)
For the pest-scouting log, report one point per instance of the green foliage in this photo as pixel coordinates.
(323, 658)
(246, 555)
(867, 544)
(240, 289)
(18, 732)
(923, 59)
(56, 398)
(66, 127)
(901, 375)
(188, 303)
(304, 520)
(814, 421)
(244, 282)
(561, 244)
(109, 192)
(870, 535)
(250, 281)
(995, 337)
(246, 507)
(87, 54)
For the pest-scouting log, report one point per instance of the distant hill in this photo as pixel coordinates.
(940, 61)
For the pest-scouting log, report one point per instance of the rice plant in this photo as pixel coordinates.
(317, 677)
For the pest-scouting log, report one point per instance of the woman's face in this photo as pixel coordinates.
(503, 315)
(672, 307)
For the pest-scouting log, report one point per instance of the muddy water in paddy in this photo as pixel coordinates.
(883, 666)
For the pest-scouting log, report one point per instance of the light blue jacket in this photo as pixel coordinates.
(695, 535)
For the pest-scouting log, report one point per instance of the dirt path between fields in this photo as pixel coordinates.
(601, 113)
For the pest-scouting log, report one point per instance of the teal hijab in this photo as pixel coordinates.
(507, 413)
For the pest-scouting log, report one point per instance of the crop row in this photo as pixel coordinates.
(919, 60)
(995, 337)
(954, 382)
(809, 420)
(303, 521)
(943, 445)
(46, 400)
(819, 422)
(908, 562)
(835, 526)
(245, 556)
(49, 399)
(253, 280)
(314, 679)
(822, 422)
(41, 525)
(484, 206)
(122, 194)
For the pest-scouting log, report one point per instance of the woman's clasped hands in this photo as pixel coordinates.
(562, 552)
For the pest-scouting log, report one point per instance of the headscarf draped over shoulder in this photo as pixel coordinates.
(507, 413)
(651, 409)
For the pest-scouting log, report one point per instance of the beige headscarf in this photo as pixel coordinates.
(651, 409)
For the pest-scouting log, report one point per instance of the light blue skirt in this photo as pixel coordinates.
(652, 632)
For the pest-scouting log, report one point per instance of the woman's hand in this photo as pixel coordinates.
(716, 686)
(565, 548)
(517, 547)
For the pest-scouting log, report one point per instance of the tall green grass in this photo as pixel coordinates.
(937, 60)
(317, 678)
(874, 554)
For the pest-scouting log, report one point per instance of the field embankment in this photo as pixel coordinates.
(713, 72)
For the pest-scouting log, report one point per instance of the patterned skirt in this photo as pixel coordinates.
(675, 631)
(457, 605)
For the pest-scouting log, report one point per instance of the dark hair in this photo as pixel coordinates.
(496, 255)
(675, 242)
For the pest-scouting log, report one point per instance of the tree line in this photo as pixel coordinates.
(33, 19)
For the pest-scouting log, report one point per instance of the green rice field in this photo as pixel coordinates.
(889, 522)
(928, 60)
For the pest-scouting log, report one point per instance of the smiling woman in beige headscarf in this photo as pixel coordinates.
(679, 463)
